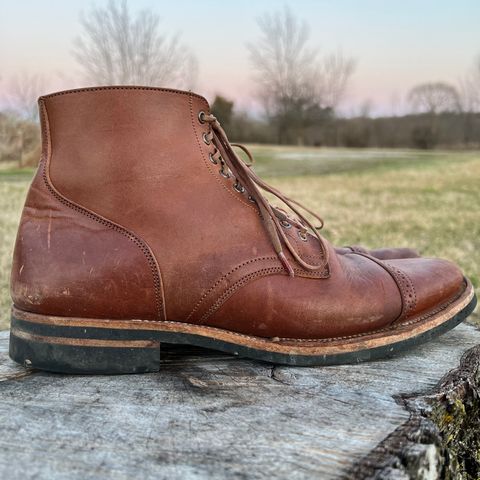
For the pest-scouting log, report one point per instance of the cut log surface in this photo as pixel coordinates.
(211, 416)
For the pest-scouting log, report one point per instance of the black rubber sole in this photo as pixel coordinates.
(93, 350)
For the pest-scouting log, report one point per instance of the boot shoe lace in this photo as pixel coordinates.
(274, 219)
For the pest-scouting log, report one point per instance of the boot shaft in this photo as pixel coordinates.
(117, 150)
(136, 163)
(99, 149)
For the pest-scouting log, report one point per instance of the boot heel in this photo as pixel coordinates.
(86, 350)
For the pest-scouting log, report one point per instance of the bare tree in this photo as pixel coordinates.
(469, 91)
(470, 88)
(118, 47)
(296, 86)
(335, 74)
(20, 132)
(431, 99)
(24, 91)
(434, 98)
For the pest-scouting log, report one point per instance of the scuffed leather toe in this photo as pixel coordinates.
(430, 283)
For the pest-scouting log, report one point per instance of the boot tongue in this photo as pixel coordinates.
(271, 216)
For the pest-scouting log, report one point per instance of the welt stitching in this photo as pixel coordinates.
(317, 340)
(215, 285)
(132, 237)
(237, 285)
(207, 163)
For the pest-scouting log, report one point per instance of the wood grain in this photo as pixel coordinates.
(211, 416)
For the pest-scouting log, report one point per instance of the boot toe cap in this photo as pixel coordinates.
(434, 283)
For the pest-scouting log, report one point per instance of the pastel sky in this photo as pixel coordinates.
(396, 44)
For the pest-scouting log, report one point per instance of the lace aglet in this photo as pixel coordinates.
(285, 263)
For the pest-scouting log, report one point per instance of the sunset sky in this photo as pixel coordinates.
(396, 44)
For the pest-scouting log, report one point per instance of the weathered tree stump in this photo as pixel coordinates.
(211, 416)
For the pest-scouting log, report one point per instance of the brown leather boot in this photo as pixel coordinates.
(143, 226)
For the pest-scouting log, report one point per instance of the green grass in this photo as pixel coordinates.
(12, 194)
(429, 200)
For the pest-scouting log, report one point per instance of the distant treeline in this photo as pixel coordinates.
(422, 131)
(445, 130)
(20, 138)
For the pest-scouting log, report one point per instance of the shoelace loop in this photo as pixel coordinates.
(272, 217)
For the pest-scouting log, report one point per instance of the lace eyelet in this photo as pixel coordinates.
(251, 199)
(212, 158)
(224, 171)
(206, 139)
(239, 188)
(201, 116)
(286, 224)
(303, 236)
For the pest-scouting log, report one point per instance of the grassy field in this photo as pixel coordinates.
(429, 200)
